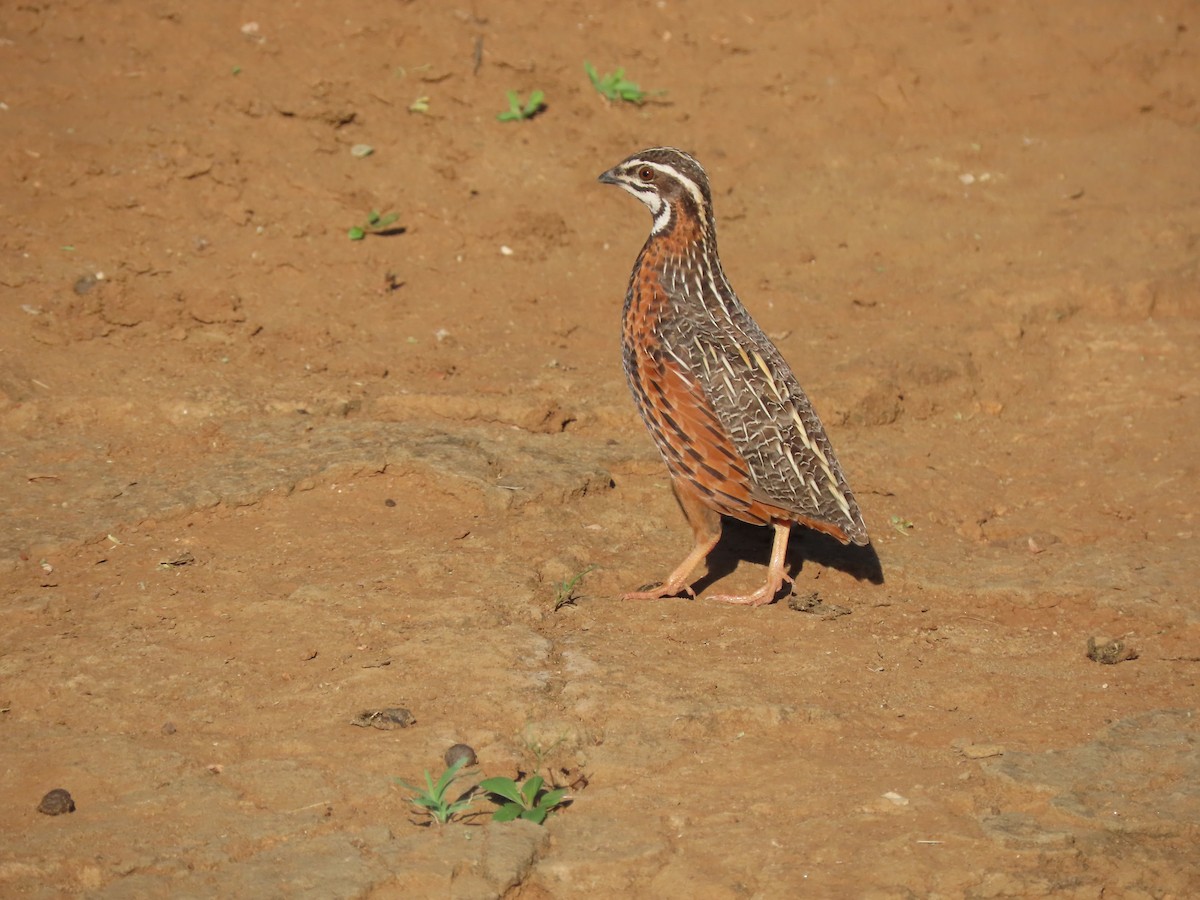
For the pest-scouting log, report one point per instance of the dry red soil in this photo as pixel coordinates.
(257, 478)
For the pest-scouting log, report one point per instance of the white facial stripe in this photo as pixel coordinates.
(649, 196)
(662, 217)
(691, 186)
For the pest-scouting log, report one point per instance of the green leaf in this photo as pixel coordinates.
(507, 813)
(530, 790)
(448, 776)
(503, 787)
(551, 799)
(357, 234)
(535, 102)
(537, 815)
(514, 108)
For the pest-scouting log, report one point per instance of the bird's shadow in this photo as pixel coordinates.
(741, 541)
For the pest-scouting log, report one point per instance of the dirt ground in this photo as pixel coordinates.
(258, 477)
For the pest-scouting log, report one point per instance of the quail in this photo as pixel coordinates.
(738, 434)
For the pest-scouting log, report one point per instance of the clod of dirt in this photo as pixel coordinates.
(460, 751)
(57, 802)
(168, 728)
(1109, 651)
(972, 750)
(812, 603)
(573, 777)
(1016, 829)
(84, 284)
(386, 719)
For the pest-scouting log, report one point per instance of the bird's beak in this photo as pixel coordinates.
(610, 177)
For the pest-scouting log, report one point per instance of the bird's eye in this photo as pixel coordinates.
(646, 173)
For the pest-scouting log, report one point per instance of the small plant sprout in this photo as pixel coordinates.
(432, 800)
(537, 750)
(375, 224)
(615, 86)
(565, 594)
(516, 111)
(901, 524)
(525, 801)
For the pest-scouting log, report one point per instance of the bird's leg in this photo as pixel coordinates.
(776, 575)
(706, 529)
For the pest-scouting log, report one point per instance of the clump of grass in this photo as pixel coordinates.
(615, 86)
(517, 110)
(565, 595)
(376, 223)
(433, 799)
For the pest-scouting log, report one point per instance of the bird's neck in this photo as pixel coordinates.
(679, 267)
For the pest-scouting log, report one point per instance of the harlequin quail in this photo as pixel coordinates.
(738, 434)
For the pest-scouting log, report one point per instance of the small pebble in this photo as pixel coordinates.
(169, 728)
(57, 802)
(460, 751)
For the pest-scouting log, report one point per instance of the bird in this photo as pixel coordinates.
(739, 436)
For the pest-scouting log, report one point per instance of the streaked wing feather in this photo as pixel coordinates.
(772, 426)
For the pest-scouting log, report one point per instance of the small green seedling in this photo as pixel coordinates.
(374, 225)
(525, 801)
(615, 86)
(565, 594)
(432, 800)
(901, 524)
(516, 112)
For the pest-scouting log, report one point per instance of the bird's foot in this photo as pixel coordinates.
(658, 591)
(762, 596)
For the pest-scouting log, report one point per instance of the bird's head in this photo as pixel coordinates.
(670, 182)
